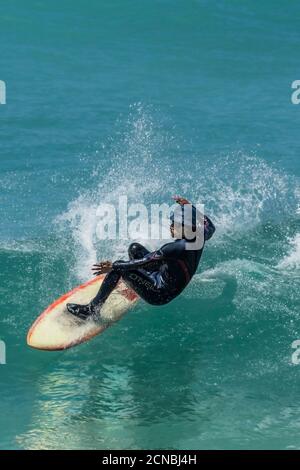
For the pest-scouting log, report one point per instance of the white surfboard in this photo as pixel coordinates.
(56, 329)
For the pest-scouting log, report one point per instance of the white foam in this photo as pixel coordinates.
(135, 171)
(243, 190)
(238, 190)
(292, 259)
(80, 220)
(20, 246)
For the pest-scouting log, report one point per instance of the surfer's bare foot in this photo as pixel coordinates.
(83, 311)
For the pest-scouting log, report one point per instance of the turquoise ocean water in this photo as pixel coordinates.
(149, 98)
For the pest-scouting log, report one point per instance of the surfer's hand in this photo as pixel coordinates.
(102, 268)
(180, 200)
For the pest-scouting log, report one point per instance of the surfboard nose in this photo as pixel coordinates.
(56, 328)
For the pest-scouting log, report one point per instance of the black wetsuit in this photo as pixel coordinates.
(157, 277)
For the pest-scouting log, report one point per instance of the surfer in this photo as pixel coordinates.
(157, 277)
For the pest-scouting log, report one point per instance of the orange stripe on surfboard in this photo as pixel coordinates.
(127, 293)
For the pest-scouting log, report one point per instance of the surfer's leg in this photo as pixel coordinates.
(109, 283)
(137, 251)
(148, 286)
(93, 308)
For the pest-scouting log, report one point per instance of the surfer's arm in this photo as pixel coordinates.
(209, 228)
(181, 200)
(155, 257)
(102, 268)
